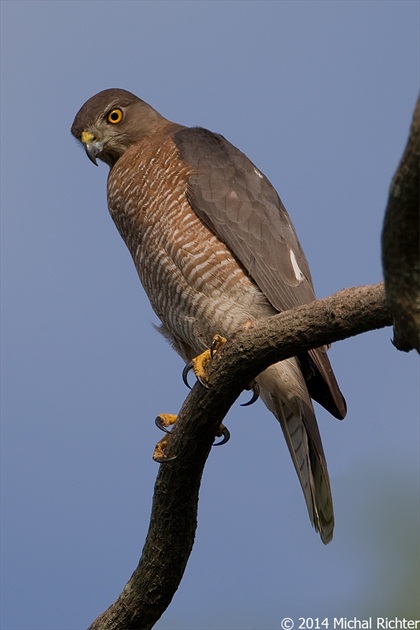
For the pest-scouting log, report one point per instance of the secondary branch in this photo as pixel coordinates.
(173, 522)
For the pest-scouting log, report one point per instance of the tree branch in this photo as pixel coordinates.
(174, 512)
(401, 243)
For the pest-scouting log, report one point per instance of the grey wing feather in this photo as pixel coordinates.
(241, 206)
(238, 203)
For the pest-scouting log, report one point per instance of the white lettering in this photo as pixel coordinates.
(385, 623)
(352, 623)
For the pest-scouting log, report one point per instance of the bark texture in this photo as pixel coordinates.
(401, 244)
(173, 522)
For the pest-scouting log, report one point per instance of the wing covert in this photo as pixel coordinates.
(238, 203)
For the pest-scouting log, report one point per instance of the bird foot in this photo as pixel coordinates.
(165, 420)
(200, 363)
(159, 454)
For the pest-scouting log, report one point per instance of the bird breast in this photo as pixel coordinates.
(195, 284)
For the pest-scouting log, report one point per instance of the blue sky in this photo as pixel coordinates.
(320, 96)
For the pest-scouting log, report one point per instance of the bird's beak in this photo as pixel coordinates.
(92, 147)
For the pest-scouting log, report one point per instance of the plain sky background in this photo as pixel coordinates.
(320, 96)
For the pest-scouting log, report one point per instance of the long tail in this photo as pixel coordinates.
(283, 389)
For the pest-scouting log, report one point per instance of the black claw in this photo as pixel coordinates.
(255, 395)
(160, 425)
(164, 460)
(215, 345)
(187, 369)
(203, 383)
(225, 437)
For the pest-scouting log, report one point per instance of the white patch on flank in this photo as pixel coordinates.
(260, 175)
(296, 269)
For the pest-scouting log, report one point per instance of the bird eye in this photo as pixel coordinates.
(115, 116)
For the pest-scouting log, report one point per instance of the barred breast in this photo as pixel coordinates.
(195, 285)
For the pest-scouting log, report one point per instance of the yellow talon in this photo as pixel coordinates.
(159, 454)
(217, 343)
(201, 362)
(165, 420)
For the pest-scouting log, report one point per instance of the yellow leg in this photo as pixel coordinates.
(201, 362)
(165, 420)
(159, 454)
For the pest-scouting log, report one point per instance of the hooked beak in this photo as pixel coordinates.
(92, 147)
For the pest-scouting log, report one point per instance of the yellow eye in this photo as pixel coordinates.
(115, 116)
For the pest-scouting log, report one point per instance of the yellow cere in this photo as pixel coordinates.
(87, 137)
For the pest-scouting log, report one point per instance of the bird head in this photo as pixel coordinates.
(112, 121)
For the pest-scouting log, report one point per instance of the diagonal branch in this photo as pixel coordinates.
(173, 522)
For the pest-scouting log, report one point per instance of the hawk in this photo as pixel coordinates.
(214, 249)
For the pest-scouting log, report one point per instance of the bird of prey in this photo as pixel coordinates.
(214, 249)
